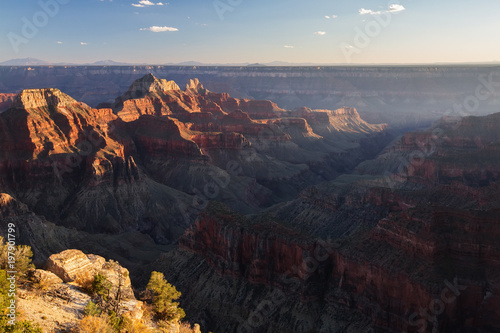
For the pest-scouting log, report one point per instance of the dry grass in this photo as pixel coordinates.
(136, 326)
(91, 324)
(186, 328)
(85, 280)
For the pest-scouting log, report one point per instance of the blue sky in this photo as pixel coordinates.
(232, 31)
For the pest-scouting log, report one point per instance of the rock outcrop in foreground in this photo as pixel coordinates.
(74, 265)
(56, 299)
(70, 306)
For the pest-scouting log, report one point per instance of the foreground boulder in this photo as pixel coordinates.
(76, 266)
(70, 265)
(44, 278)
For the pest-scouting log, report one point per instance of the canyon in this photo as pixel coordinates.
(266, 218)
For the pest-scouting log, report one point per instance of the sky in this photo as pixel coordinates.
(251, 31)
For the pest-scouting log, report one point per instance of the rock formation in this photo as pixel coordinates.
(73, 265)
(70, 264)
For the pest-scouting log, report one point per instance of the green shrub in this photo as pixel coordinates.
(117, 322)
(163, 297)
(101, 286)
(24, 326)
(22, 255)
(91, 309)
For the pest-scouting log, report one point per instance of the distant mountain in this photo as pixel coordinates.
(25, 62)
(197, 63)
(110, 63)
(256, 65)
(188, 63)
(38, 62)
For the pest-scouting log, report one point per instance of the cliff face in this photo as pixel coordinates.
(464, 151)
(162, 137)
(393, 275)
(271, 254)
(46, 121)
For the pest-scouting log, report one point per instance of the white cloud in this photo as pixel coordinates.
(334, 16)
(159, 29)
(59, 42)
(363, 11)
(83, 43)
(144, 3)
(394, 8)
(288, 46)
(331, 17)
(327, 17)
(320, 33)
